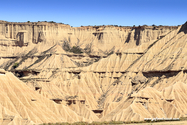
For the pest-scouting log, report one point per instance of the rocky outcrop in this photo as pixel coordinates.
(139, 79)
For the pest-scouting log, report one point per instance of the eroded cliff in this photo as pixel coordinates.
(99, 73)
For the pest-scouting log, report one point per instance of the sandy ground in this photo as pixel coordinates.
(163, 123)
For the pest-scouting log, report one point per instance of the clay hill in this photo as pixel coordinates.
(53, 72)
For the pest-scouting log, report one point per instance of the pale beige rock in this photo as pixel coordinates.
(131, 73)
(25, 103)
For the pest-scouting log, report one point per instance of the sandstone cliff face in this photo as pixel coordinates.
(130, 74)
(102, 38)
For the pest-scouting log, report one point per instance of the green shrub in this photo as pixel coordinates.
(76, 49)
(52, 22)
(15, 65)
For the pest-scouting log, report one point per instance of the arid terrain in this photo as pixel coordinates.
(52, 72)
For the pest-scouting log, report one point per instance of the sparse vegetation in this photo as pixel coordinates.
(15, 65)
(52, 22)
(66, 46)
(88, 48)
(85, 123)
(101, 123)
(75, 49)
(108, 122)
(183, 118)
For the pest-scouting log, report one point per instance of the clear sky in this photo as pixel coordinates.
(96, 12)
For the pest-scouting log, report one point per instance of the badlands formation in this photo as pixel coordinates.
(53, 72)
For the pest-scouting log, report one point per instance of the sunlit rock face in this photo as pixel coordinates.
(91, 73)
(102, 37)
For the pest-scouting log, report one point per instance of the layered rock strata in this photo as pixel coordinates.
(130, 73)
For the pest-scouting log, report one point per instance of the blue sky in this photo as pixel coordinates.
(96, 12)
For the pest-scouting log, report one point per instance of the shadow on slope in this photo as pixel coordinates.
(183, 28)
